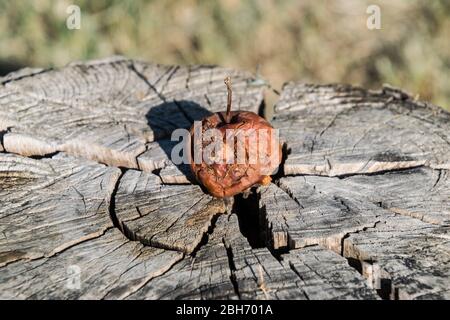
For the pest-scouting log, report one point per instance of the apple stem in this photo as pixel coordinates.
(228, 114)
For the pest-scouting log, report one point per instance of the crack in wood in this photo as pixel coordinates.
(112, 204)
(15, 76)
(232, 267)
(144, 78)
(247, 256)
(133, 289)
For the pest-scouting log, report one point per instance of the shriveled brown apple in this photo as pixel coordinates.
(246, 151)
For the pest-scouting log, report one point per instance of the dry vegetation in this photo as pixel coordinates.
(311, 41)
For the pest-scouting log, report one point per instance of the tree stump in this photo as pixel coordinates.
(93, 208)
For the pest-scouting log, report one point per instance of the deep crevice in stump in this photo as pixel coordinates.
(246, 207)
(385, 160)
(112, 206)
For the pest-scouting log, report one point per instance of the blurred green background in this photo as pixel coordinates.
(310, 41)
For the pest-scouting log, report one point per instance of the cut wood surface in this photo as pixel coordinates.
(52, 204)
(359, 131)
(93, 208)
(167, 216)
(109, 110)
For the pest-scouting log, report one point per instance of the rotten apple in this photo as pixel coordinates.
(246, 151)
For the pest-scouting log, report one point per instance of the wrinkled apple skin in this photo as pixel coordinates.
(226, 180)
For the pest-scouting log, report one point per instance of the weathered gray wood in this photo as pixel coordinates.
(361, 209)
(107, 267)
(129, 270)
(172, 174)
(50, 205)
(337, 130)
(313, 209)
(301, 274)
(164, 216)
(409, 258)
(205, 276)
(228, 268)
(391, 154)
(19, 74)
(421, 193)
(301, 214)
(121, 113)
(327, 275)
(109, 110)
(344, 216)
(157, 158)
(54, 221)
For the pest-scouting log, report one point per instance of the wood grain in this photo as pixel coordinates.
(337, 130)
(92, 207)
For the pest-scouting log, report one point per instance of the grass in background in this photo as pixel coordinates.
(311, 41)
